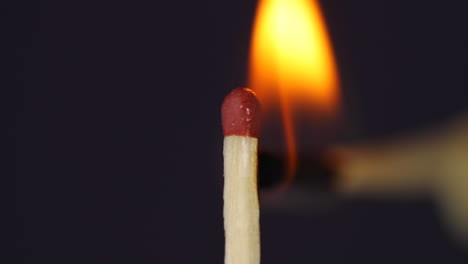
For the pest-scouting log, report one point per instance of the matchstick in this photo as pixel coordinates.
(407, 165)
(432, 164)
(240, 120)
(435, 163)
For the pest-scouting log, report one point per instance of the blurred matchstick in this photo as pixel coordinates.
(240, 120)
(434, 163)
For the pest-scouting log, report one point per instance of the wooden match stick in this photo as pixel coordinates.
(435, 163)
(241, 123)
(407, 165)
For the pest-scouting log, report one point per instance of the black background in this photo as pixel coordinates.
(118, 139)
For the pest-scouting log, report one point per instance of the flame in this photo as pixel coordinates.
(292, 63)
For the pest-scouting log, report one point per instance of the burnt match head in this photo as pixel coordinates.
(240, 113)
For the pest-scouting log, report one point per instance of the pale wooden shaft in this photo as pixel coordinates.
(435, 163)
(241, 208)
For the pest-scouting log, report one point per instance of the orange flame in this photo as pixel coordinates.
(292, 63)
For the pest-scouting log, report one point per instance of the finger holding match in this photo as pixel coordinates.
(241, 123)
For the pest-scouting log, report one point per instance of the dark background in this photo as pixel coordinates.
(118, 139)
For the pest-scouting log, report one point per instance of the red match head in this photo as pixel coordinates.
(240, 113)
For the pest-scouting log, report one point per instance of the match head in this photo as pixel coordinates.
(240, 113)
